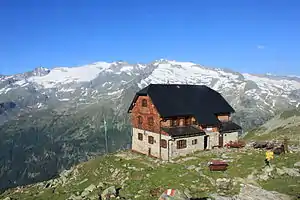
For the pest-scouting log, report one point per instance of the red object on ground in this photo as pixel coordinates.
(217, 165)
(236, 144)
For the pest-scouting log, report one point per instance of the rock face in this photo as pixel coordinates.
(291, 171)
(255, 193)
(223, 185)
(109, 193)
(266, 173)
(88, 190)
(250, 192)
(178, 195)
(297, 164)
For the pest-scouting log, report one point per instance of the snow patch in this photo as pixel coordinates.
(273, 84)
(126, 69)
(64, 99)
(115, 92)
(5, 90)
(64, 75)
(190, 73)
(39, 105)
(67, 90)
(141, 66)
(183, 64)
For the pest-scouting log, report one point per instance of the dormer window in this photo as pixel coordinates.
(174, 122)
(187, 121)
(144, 103)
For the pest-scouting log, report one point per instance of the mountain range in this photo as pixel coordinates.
(51, 119)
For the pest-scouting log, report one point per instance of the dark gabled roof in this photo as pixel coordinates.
(199, 101)
(227, 127)
(183, 131)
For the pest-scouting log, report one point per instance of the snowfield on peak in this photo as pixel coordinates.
(189, 73)
(64, 75)
(264, 82)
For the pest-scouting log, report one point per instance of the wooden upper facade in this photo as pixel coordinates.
(180, 109)
(145, 116)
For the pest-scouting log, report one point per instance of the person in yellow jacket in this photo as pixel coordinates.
(269, 156)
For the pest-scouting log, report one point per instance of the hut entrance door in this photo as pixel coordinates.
(206, 141)
(221, 140)
(149, 152)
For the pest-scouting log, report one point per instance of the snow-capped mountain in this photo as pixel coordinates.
(255, 97)
(53, 119)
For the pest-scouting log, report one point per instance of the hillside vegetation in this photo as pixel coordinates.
(37, 147)
(141, 177)
(284, 125)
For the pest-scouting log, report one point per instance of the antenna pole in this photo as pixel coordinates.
(105, 134)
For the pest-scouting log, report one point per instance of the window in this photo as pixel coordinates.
(140, 136)
(174, 122)
(181, 144)
(150, 139)
(187, 121)
(209, 128)
(150, 121)
(194, 141)
(223, 118)
(163, 143)
(140, 120)
(144, 103)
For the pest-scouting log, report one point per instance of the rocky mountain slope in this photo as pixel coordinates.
(141, 177)
(52, 119)
(138, 177)
(283, 125)
(116, 82)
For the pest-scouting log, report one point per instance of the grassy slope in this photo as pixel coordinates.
(160, 176)
(163, 176)
(287, 124)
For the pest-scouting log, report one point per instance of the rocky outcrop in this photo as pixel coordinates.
(297, 164)
(250, 192)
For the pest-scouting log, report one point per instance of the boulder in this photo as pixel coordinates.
(267, 173)
(250, 192)
(108, 193)
(187, 192)
(291, 171)
(223, 184)
(260, 145)
(280, 172)
(74, 197)
(88, 190)
(278, 150)
(297, 164)
(191, 167)
(174, 195)
(116, 173)
(198, 169)
(100, 185)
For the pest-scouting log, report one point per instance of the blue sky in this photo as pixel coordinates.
(256, 36)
